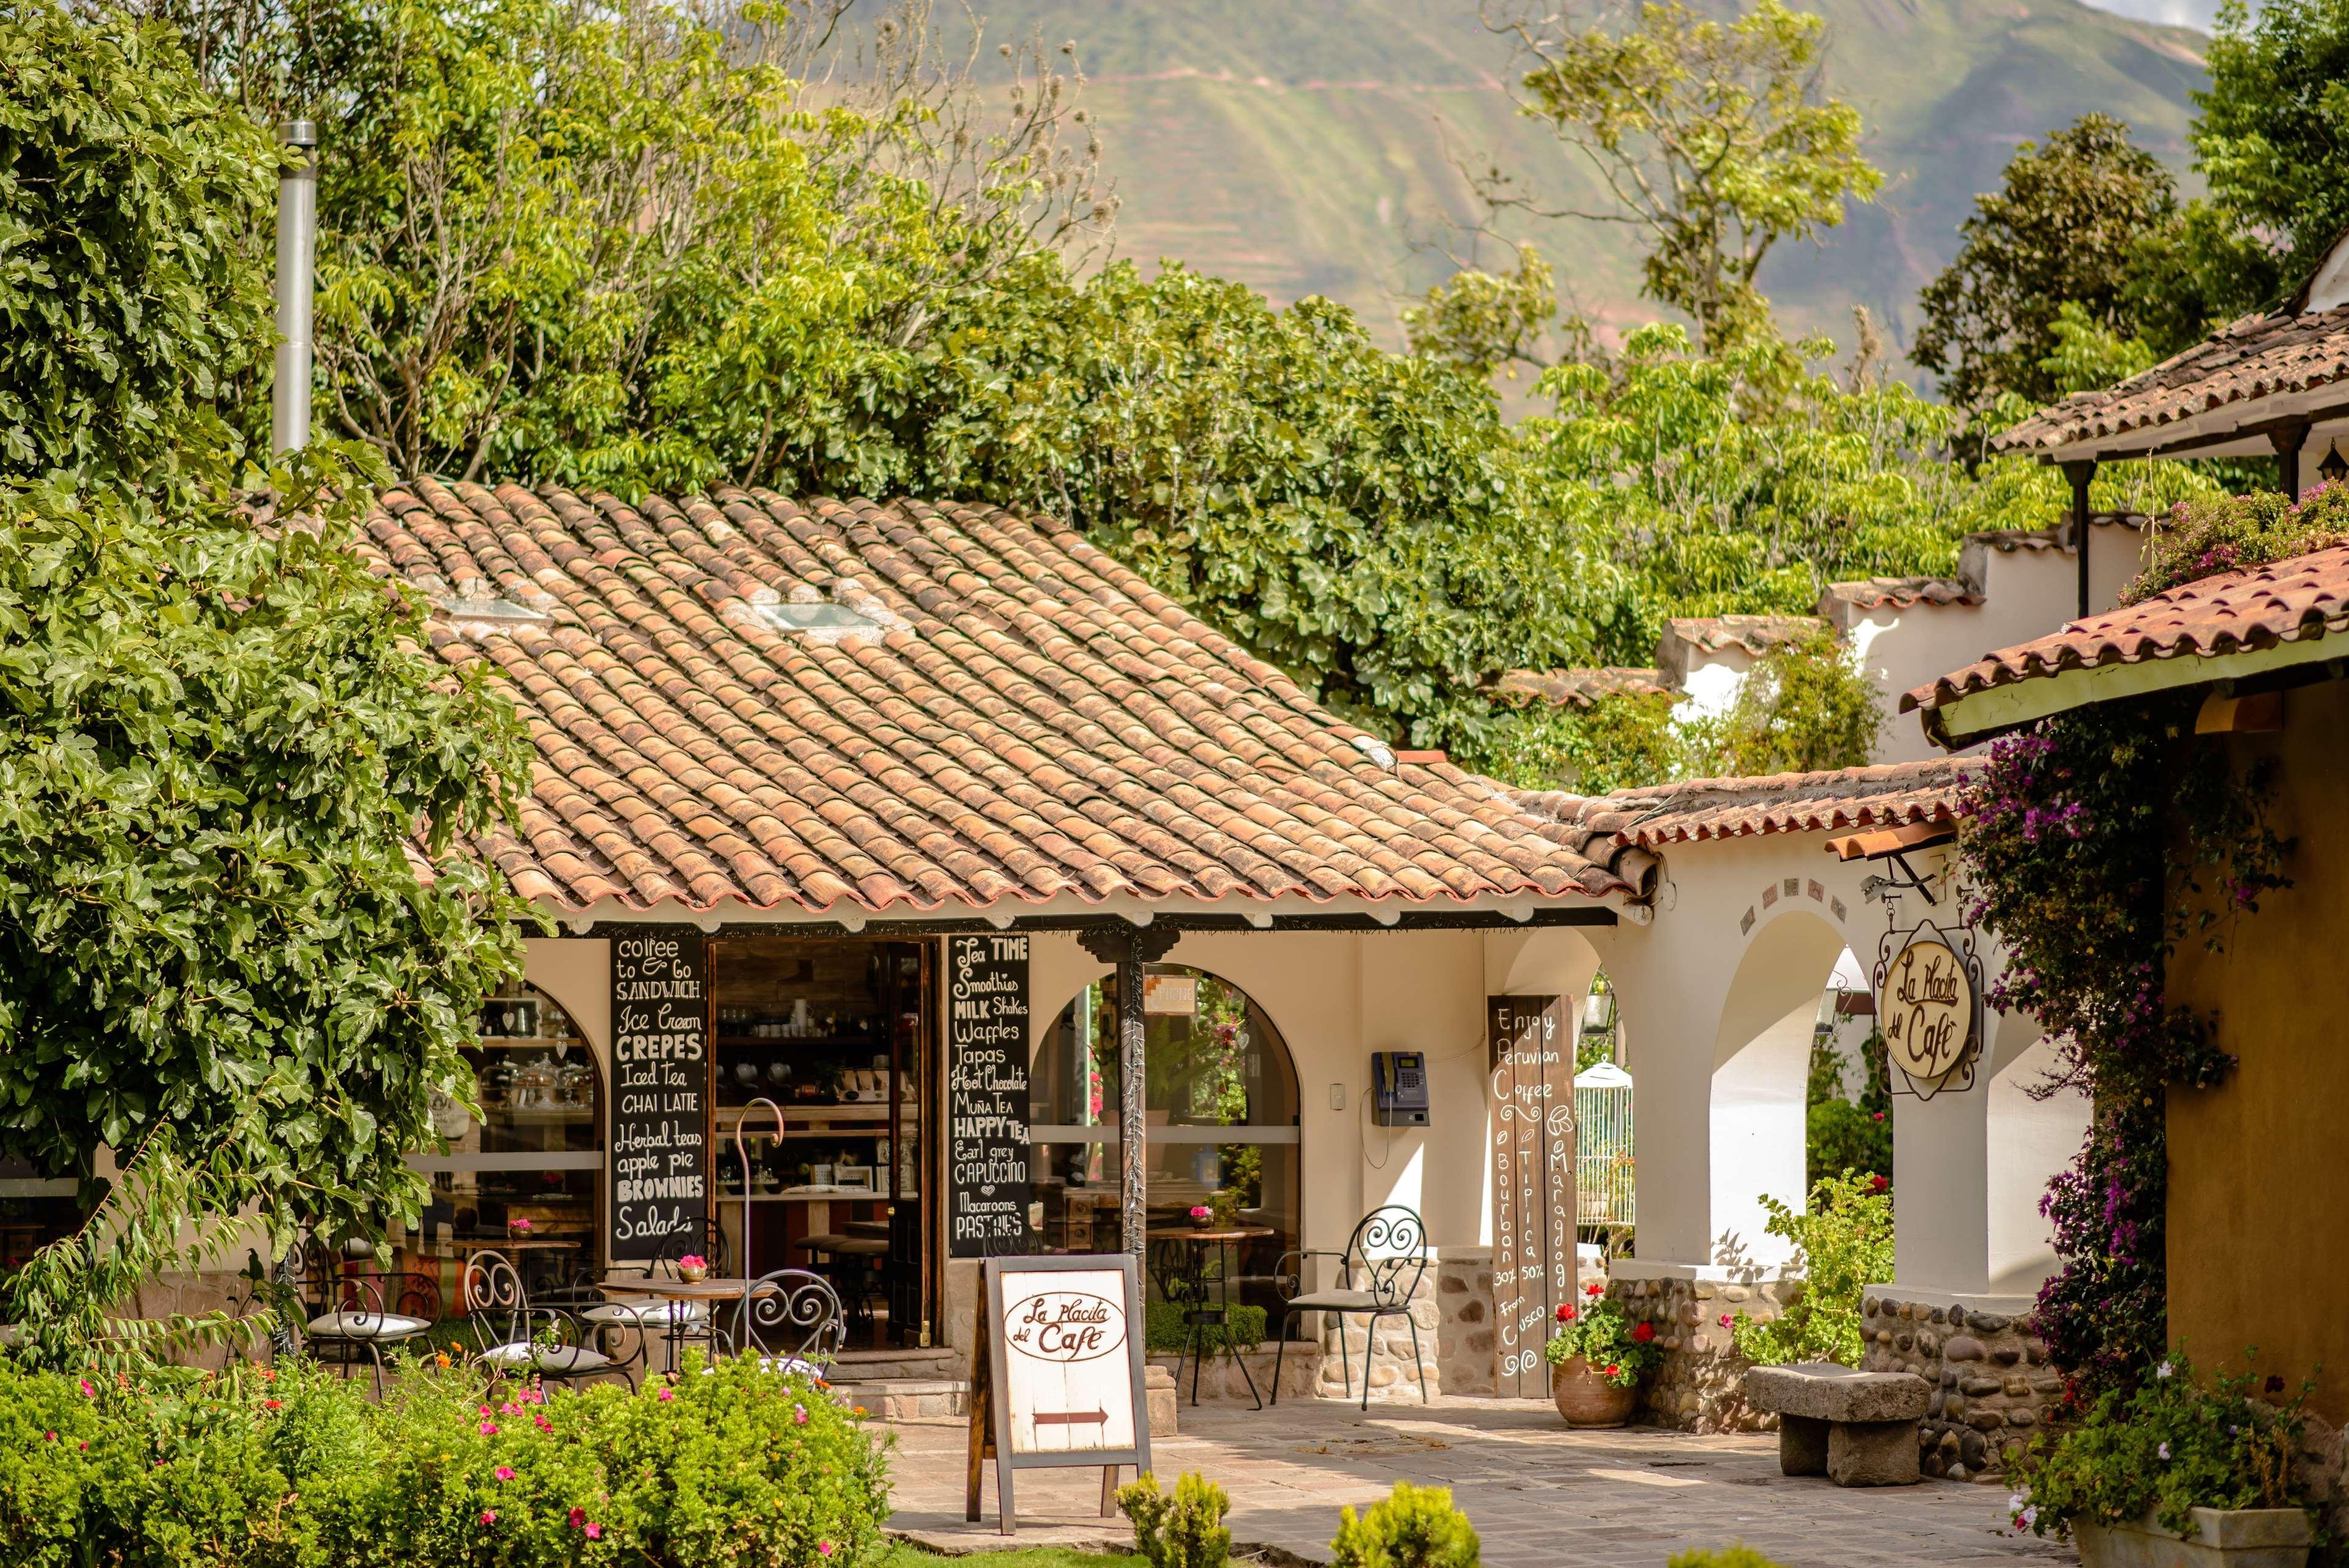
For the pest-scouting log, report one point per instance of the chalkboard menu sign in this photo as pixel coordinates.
(987, 1095)
(660, 1143)
(1534, 1261)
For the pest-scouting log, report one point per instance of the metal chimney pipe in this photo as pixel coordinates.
(297, 256)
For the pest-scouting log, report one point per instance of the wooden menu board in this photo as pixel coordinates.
(659, 1142)
(1056, 1379)
(1533, 1183)
(987, 1095)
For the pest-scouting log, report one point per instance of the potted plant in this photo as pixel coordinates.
(691, 1267)
(1202, 1216)
(2172, 1474)
(1597, 1357)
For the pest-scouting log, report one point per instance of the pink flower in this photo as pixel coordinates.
(509, 1409)
(544, 1424)
(52, 1437)
(505, 1472)
(488, 1428)
(86, 1391)
(693, 1261)
(594, 1532)
(488, 1516)
(485, 1409)
(825, 1547)
(799, 1415)
(1200, 1211)
(666, 1394)
(1724, 1320)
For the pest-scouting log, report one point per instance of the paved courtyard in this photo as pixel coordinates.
(1538, 1494)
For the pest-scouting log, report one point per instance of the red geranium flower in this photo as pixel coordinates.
(1565, 1312)
(1644, 1332)
(1594, 1289)
(1880, 1184)
(1614, 1370)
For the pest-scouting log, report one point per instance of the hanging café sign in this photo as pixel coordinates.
(1929, 991)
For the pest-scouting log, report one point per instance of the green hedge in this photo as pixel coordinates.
(298, 1470)
(1163, 1328)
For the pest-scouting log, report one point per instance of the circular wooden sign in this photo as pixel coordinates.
(1927, 1008)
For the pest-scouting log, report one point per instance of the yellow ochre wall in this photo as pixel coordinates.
(2259, 1167)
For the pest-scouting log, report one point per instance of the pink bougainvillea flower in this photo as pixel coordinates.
(505, 1472)
(825, 1547)
(488, 1428)
(488, 1516)
(666, 1394)
(1724, 1320)
(86, 1391)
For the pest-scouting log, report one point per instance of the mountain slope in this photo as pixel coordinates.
(1308, 146)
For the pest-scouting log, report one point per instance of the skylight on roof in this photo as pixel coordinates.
(817, 616)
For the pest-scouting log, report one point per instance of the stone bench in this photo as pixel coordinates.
(1856, 1429)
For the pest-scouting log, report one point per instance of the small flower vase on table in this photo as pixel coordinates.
(1201, 1217)
(692, 1267)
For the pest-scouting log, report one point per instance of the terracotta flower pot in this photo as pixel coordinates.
(1587, 1399)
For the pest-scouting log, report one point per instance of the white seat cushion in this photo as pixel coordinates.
(348, 1325)
(1337, 1300)
(646, 1313)
(545, 1358)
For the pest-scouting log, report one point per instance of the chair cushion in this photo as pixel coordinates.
(638, 1314)
(1338, 1301)
(349, 1324)
(545, 1358)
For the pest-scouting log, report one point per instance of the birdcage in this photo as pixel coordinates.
(1602, 1146)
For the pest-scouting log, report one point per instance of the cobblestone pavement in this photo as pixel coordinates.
(1538, 1494)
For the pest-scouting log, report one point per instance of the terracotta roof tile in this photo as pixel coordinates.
(1900, 593)
(1582, 688)
(2256, 358)
(1613, 828)
(2306, 597)
(1754, 634)
(1024, 719)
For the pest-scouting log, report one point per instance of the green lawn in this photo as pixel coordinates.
(905, 1556)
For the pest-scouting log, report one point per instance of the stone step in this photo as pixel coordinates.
(904, 1398)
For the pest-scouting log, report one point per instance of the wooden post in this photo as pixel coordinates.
(2080, 470)
(1126, 949)
(2287, 440)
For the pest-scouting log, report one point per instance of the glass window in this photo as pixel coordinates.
(1220, 1105)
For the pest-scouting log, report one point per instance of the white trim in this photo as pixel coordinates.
(1702, 1273)
(1107, 1133)
(1516, 908)
(2007, 706)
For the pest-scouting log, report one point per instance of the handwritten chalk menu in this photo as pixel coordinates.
(659, 1144)
(1533, 1183)
(1057, 1375)
(987, 1095)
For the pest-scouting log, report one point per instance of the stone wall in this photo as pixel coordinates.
(1992, 1384)
(1389, 1350)
(1701, 1386)
(1466, 1348)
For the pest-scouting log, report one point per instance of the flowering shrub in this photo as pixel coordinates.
(1595, 1328)
(732, 1464)
(2212, 534)
(2067, 838)
(1841, 1243)
(2165, 1447)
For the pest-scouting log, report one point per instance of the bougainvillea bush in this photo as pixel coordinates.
(730, 1465)
(2097, 841)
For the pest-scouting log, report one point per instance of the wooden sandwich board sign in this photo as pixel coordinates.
(1056, 1379)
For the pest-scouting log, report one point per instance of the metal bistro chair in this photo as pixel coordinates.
(511, 1336)
(679, 1322)
(346, 1318)
(1378, 1273)
(795, 1317)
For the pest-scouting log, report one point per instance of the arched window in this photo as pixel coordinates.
(1220, 1105)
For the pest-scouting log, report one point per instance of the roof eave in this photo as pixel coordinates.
(1956, 722)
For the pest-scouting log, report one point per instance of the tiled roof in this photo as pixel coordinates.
(1754, 634)
(1900, 593)
(1883, 795)
(1023, 721)
(2054, 536)
(2258, 356)
(2307, 595)
(1582, 688)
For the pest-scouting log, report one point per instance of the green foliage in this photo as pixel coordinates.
(1804, 708)
(1185, 1530)
(298, 1469)
(1415, 1527)
(2167, 1447)
(1594, 1328)
(2089, 355)
(1843, 1243)
(1841, 1134)
(1738, 1555)
(2230, 533)
(1483, 321)
(2060, 236)
(1163, 1332)
(1714, 141)
(218, 958)
(1616, 742)
(132, 209)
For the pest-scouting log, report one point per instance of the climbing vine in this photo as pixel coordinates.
(2098, 840)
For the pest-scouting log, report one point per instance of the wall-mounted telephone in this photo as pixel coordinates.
(1399, 1088)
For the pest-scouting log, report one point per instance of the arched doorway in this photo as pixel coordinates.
(1220, 1103)
(1761, 1081)
(527, 1172)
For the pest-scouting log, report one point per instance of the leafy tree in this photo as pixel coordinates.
(2272, 134)
(1804, 708)
(225, 751)
(2064, 230)
(1483, 321)
(1713, 139)
(131, 212)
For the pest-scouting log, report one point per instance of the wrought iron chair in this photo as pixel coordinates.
(511, 1336)
(676, 1321)
(794, 1315)
(346, 1318)
(1377, 1274)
